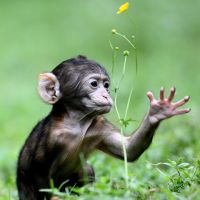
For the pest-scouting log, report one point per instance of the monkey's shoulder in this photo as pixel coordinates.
(101, 126)
(39, 131)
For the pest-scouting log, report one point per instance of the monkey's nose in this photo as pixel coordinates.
(105, 96)
(108, 99)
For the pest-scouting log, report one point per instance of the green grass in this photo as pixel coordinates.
(36, 35)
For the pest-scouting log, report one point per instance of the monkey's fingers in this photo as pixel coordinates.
(150, 96)
(182, 111)
(172, 93)
(162, 93)
(181, 102)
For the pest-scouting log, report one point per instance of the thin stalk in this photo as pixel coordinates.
(121, 129)
(123, 36)
(136, 57)
(126, 53)
(128, 103)
(118, 85)
(134, 47)
(136, 61)
(125, 157)
(134, 22)
(123, 144)
(123, 72)
(113, 60)
(124, 67)
(113, 57)
(116, 107)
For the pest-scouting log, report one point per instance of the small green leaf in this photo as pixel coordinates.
(125, 122)
(184, 165)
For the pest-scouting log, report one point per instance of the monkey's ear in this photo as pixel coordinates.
(49, 88)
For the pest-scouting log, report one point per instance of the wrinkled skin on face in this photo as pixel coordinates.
(98, 99)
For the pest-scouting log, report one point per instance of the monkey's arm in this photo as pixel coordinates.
(140, 140)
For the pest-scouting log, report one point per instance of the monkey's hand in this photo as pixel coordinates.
(164, 107)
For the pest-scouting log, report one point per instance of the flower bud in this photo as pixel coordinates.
(126, 53)
(114, 31)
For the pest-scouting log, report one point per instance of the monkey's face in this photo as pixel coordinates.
(78, 83)
(96, 90)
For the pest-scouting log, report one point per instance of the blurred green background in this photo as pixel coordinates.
(36, 35)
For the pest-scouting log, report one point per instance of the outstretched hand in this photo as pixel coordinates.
(164, 107)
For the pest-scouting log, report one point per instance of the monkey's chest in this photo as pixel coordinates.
(73, 140)
(73, 147)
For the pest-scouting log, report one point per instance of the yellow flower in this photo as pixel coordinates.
(123, 8)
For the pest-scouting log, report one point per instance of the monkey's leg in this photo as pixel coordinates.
(26, 192)
(84, 176)
(28, 189)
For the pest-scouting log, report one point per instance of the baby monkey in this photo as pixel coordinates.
(78, 90)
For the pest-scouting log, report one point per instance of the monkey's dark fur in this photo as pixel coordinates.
(78, 89)
(70, 73)
(36, 156)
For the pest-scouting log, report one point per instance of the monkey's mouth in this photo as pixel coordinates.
(102, 104)
(108, 104)
(104, 108)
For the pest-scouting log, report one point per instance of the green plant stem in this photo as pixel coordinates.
(128, 103)
(122, 141)
(119, 117)
(136, 57)
(116, 99)
(113, 60)
(116, 107)
(123, 72)
(123, 36)
(113, 57)
(125, 158)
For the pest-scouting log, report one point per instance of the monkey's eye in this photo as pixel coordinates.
(106, 85)
(94, 84)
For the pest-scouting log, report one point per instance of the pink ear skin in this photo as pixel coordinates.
(48, 88)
